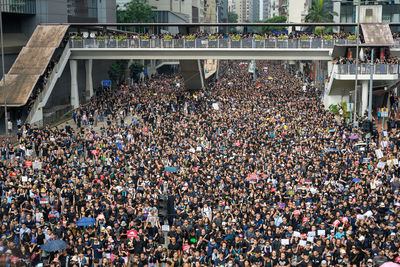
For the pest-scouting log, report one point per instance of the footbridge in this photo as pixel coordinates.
(188, 51)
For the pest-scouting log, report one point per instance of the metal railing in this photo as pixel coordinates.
(207, 43)
(366, 69)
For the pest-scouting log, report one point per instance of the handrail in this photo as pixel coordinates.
(328, 88)
(208, 43)
(363, 69)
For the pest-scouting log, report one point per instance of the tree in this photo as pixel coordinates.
(136, 11)
(276, 19)
(232, 18)
(135, 69)
(317, 13)
(116, 71)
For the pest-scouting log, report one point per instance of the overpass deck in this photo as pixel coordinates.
(223, 43)
(223, 49)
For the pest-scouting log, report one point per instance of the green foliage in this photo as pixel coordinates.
(120, 37)
(318, 31)
(351, 37)
(232, 17)
(190, 37)
(212, 37)
(144, 37)
(101, 37)
(328, 37)
(259, 37)
(334, 109)
(305, 37)
(282, 37)
(346, 114)
(116, 71)
(167, 37)
(235, 37)
(136, 11)
(78, 37)
(135, 68)
(318, 13)
(276, 19)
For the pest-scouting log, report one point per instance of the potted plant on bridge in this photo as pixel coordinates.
(235, 41)
(305, 41)
(121, 41)
(328, 41)
(101, 41)
(167, 41)
(77, 41)
(259, 41)
(351, 39)
(212, 41)
(144, 41)
(282, 41)
(190, 41)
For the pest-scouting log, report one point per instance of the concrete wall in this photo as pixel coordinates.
(376, 14)
(334, 100)
(298, 9)
(106, 11)
(179, 6)
(8, 61)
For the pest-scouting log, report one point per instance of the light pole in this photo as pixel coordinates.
(4, 75)
(371, 80)
(217, 3)
(355, 123)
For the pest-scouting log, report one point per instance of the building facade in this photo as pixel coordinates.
(193, 10)
(21, 17)
(378, 11)
(297, 10)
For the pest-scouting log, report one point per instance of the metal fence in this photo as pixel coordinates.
(207, 43)
(366, 69)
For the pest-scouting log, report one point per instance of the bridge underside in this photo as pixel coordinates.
(193, 74)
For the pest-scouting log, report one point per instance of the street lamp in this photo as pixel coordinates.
(4, 75)
(355, 123)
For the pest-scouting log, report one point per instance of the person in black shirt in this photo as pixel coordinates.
(283, 261)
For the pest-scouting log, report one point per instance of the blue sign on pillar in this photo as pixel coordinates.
(106, 83)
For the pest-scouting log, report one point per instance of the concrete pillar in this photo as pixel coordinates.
(201, 71)
(364, 96)
(89, 78)
(217, 71)
(73, 64)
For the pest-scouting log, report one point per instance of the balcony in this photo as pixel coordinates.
(18, 6)
(380, 71)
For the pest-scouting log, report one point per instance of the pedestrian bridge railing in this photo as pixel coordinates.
(350, 69)
(208, 43)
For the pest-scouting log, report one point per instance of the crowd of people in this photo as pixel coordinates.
(256, 173)
(203, 35)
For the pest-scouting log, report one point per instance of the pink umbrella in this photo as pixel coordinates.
(390, 264)
(353, 137)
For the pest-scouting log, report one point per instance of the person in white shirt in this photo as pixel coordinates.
(206, 210)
